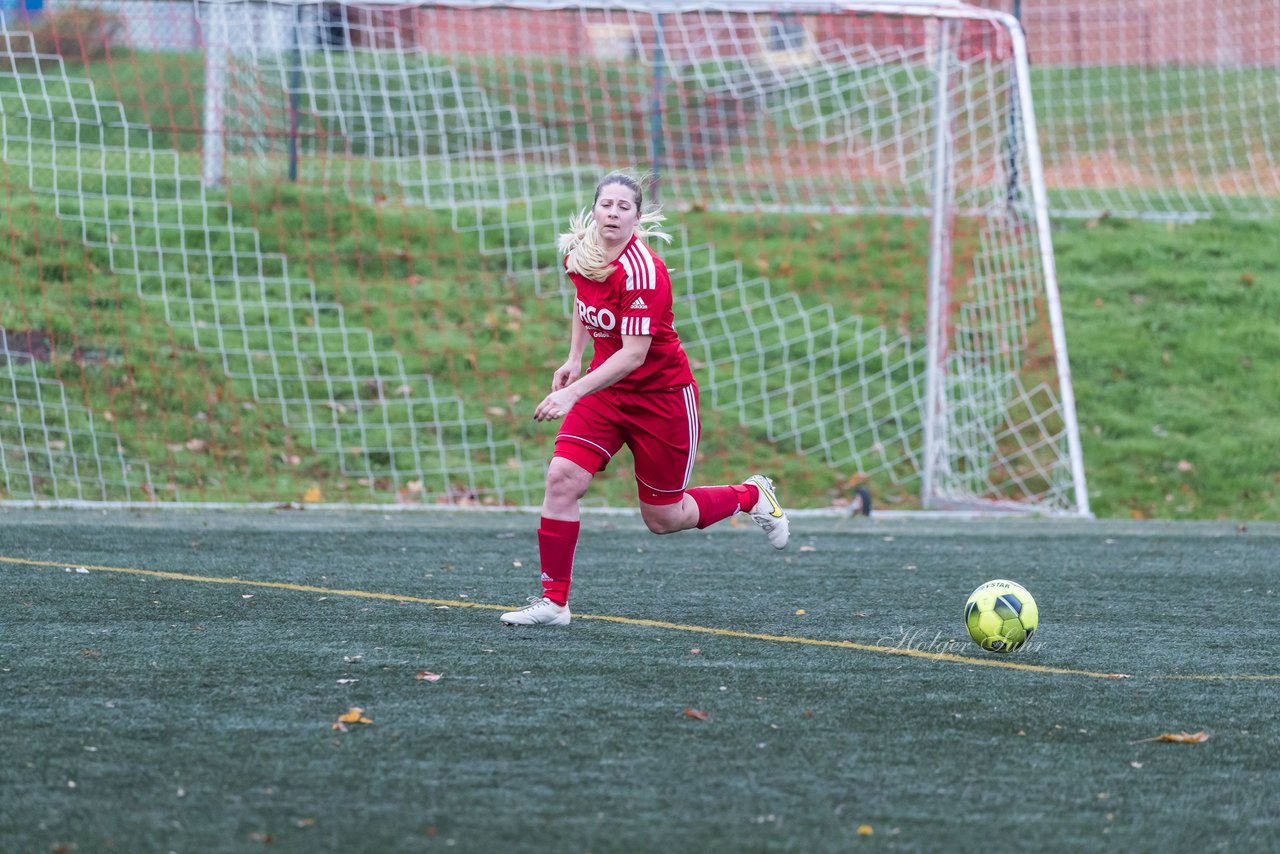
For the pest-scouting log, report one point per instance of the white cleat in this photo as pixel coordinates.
(768, 512)
(540, 611)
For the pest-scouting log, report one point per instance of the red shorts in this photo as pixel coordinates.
(660, 427)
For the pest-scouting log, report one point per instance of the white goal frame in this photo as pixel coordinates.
(982, 403)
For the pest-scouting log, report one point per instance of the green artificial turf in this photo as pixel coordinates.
(195, 711)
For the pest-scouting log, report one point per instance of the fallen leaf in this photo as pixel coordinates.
(808, 548)
(696, 714)
(427, 676)
(264, 838)
(865, 830)
(312, 495)
(1179, 737)
(354, 715)
(800, 612)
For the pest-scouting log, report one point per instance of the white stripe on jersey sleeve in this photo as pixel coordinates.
(642, 273)
(646, 270)
(628, 266)
(635, 326)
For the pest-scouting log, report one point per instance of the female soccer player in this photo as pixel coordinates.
(638, 392)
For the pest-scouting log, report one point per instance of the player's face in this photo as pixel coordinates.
(616, 213)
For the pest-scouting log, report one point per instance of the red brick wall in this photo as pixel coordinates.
(1149, 32)
(1059, 32)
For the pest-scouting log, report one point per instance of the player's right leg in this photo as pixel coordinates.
(588, 439)
(567, 482)
(540, 611)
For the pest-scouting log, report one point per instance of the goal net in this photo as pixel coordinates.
(306, 251)
(1156, 108)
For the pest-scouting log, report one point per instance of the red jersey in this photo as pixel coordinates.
(634, 300)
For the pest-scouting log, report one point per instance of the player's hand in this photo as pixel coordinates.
(555, 405)
(565, 374)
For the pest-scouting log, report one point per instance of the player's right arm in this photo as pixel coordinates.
(635, 349)
(572, 367)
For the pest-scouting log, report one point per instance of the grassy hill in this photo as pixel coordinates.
(1172, 333)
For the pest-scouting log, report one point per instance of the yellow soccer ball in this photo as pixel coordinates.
(1001, 616)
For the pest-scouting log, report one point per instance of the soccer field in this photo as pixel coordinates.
(171, 681)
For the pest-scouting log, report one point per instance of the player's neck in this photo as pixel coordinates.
(614, 250)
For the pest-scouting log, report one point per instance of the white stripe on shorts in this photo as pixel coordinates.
(691, 409)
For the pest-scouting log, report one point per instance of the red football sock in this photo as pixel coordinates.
(557, 541)
(720, 502)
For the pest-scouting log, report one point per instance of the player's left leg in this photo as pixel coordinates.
(667, 518)
(662, 432)
(663, 436)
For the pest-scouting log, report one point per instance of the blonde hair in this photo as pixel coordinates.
(584, 250)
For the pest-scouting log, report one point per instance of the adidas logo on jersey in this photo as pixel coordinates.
(638, 305)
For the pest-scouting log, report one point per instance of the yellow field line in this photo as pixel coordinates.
(929, 655)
